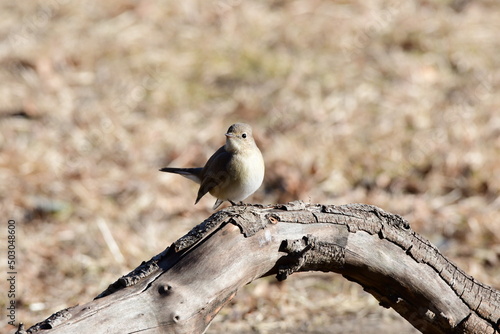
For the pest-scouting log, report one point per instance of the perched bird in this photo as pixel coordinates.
(233, 172)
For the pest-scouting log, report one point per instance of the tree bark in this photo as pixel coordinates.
(182, 289)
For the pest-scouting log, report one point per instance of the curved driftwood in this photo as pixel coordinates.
(183, 288)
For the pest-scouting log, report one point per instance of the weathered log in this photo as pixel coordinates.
(183, 288)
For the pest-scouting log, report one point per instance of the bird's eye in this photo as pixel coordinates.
(244, 135)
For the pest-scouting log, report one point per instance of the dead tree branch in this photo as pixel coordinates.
(182, 289)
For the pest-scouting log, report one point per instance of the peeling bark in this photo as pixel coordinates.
(183, 288)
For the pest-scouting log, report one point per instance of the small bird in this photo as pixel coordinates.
(233, 172)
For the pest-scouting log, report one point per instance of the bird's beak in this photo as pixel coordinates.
(229, 135)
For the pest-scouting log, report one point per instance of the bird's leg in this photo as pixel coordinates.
(240, 203)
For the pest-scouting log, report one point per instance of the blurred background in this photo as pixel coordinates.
(391, 103)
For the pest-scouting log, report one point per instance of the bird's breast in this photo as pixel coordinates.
(246, 173)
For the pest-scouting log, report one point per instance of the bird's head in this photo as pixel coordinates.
(239, 138)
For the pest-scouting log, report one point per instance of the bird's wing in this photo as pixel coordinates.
(217, 203)
(215, 172)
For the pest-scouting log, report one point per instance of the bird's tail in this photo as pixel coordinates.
(193, 174)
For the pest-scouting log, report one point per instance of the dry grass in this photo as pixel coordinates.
(390, 103)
